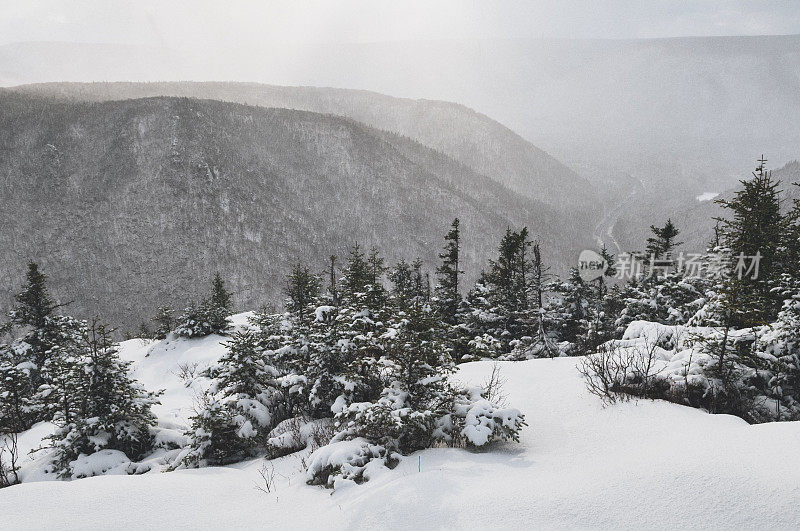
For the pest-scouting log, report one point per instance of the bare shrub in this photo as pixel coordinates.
(615, 373)
(187, 372)
(9, 456)
(494, 387)
(605, 370)
(321, 434)
(267, 473)
(643, 371)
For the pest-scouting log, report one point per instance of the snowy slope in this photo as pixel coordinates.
(638, 464)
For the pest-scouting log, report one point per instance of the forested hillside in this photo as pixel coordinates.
(469, 137)
(135, 204)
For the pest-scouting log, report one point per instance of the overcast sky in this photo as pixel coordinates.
(235, 24)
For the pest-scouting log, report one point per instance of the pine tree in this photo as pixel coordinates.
(220, 298)
(446, 291)
(663, 241)
(409, 285)
(356, 276)
(779, 346)
(756, 228)
(110, 410)
(502, 297)
(35, 310)
(377, 295)
(165, 322)
(416, 392)
(573, 313)
(333, 292)
(243, 404)
(302, 290)
(790, 245)
(47, 337)
(210, 316)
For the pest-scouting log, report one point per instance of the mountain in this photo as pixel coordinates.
(132, 204)
(691, 111)
(469, 137)
(694, 216)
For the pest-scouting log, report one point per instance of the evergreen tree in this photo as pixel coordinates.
(416, 392)
(502, 297)
(333, 292)
(31, 360)
(377, 295)
(220, 297)
(243, 404)
(573, 313)
(756, 228)
(210, 316)
(446, 291)
(409, 285)
(302, 290)
(663, 241)
(778, 346)
(356, 276)
(110, 410)
(35, 311)
(164, 321)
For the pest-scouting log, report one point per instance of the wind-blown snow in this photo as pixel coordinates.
(640, 464)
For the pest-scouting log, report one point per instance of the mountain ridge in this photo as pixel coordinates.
(132, 204)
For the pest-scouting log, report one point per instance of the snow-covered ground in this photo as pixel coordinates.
(639, 464)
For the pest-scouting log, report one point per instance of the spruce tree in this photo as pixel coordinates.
(663, 241)
(356, 276)
(242, 405)
(446, 291)
(164, 321)
(503, 296)
(573, 313)
(302, 290)
(756, 228)
(35, 310)
(210, 316)
(110, 409)
(34, 357)
(220, 298)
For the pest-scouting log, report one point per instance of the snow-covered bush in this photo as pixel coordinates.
(297, 433)
(476, 421)
(349, 461)
(751, 373)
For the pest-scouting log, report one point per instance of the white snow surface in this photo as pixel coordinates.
(707, 196)
(639, 464)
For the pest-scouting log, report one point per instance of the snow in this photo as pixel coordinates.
(322, 312)
(639, 464)
(707, 196)
(103, 462)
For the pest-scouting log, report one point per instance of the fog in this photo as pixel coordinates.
(623, 88)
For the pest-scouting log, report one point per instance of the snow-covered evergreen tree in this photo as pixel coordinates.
(243, 404)
(210, 316)
(448, 296)
(109, 409)
(164, 321)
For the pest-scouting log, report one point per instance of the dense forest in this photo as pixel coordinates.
(128, 205)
